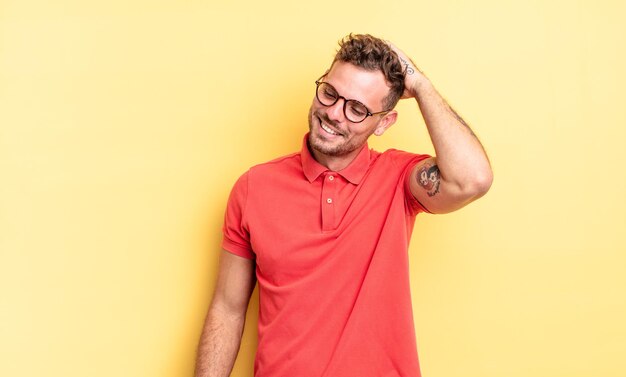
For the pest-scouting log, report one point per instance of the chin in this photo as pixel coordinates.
(319, 145)
(336, 148)
(332, 150)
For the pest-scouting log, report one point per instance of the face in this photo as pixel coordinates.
(331, 134)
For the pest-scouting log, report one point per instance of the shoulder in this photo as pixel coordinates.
(401, 158)
(286, 163)
(278, 162)
(268, 173)
(265, 172)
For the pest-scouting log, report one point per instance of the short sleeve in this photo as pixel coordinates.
(407, 161)
(412, 202)
(236, 236)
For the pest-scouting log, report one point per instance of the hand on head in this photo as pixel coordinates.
(413, 77)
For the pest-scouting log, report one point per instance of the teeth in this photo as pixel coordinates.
(327, 129)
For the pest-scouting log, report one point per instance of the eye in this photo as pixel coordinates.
(357, 109)
(329, 92)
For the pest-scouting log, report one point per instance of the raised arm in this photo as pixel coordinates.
(223, 326)
(460, 173)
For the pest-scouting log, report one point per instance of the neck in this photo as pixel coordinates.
(334, 163)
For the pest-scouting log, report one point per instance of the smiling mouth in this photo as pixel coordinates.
(327, 128)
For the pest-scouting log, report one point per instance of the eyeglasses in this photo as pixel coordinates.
(355, 111)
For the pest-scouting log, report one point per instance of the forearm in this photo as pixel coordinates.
(462, 161)
(219, 343)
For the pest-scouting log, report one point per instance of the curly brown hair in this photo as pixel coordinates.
(371, 53)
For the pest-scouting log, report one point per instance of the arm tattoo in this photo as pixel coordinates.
(408, 69)
(428, 178)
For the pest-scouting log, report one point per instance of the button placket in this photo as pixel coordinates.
(329, 195)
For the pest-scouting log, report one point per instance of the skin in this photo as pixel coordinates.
(464, 170)
(223, 326)
(458, 175)
(368, 87)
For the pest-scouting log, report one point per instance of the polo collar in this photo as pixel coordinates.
(353, 173)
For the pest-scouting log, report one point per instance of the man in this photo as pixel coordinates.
(325, 231)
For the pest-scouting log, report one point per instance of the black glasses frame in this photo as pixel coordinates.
(319, 81)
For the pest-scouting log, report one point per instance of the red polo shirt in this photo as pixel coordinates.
(331, 263)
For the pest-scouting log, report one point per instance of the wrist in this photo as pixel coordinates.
(417, 84)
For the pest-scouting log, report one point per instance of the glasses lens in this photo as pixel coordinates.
(326, 94)
(355, 111)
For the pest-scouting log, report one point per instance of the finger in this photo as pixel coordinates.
(409, 65)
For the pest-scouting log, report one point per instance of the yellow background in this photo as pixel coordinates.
(124, 124)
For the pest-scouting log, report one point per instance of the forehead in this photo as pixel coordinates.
(352, 82)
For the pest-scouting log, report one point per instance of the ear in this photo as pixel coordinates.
(387, 121)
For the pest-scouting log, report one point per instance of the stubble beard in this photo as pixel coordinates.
(317, 143)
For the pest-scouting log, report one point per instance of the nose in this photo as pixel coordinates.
(335, 112)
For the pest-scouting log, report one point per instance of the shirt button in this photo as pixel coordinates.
(332, 177)
(329, 201)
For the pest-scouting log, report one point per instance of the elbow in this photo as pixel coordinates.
(474, 187)
(480, 184)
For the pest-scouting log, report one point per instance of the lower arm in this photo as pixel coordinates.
(219, 343)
